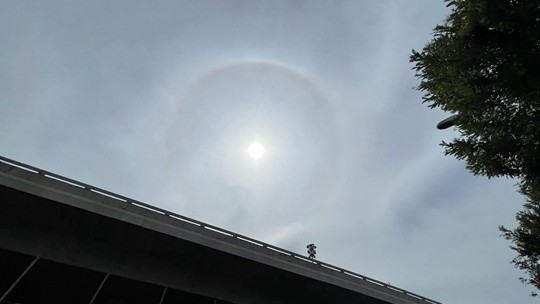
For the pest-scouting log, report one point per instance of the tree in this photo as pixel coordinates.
(483, 64)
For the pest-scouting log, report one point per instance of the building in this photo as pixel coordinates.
(62, 241)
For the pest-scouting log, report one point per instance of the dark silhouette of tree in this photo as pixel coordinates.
(483, 64)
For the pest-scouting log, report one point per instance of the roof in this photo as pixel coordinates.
(51, 186)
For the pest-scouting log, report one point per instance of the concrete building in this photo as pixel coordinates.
(62, 241)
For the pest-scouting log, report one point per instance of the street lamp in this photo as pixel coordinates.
(447, 123)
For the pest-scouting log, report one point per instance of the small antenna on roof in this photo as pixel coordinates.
(311, 251)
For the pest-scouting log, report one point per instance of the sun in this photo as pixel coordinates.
(256, 150)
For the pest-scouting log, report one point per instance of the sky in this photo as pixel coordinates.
(161, 100)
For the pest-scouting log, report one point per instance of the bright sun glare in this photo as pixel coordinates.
(256, 150)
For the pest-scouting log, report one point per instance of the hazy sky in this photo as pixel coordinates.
(160, 101)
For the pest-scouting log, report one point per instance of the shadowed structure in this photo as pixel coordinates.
(63, 241)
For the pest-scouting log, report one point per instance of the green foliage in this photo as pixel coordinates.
(484, 64)
(526, 239)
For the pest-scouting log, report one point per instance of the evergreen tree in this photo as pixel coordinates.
(483, 64)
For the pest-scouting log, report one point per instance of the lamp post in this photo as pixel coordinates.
(447, 123)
